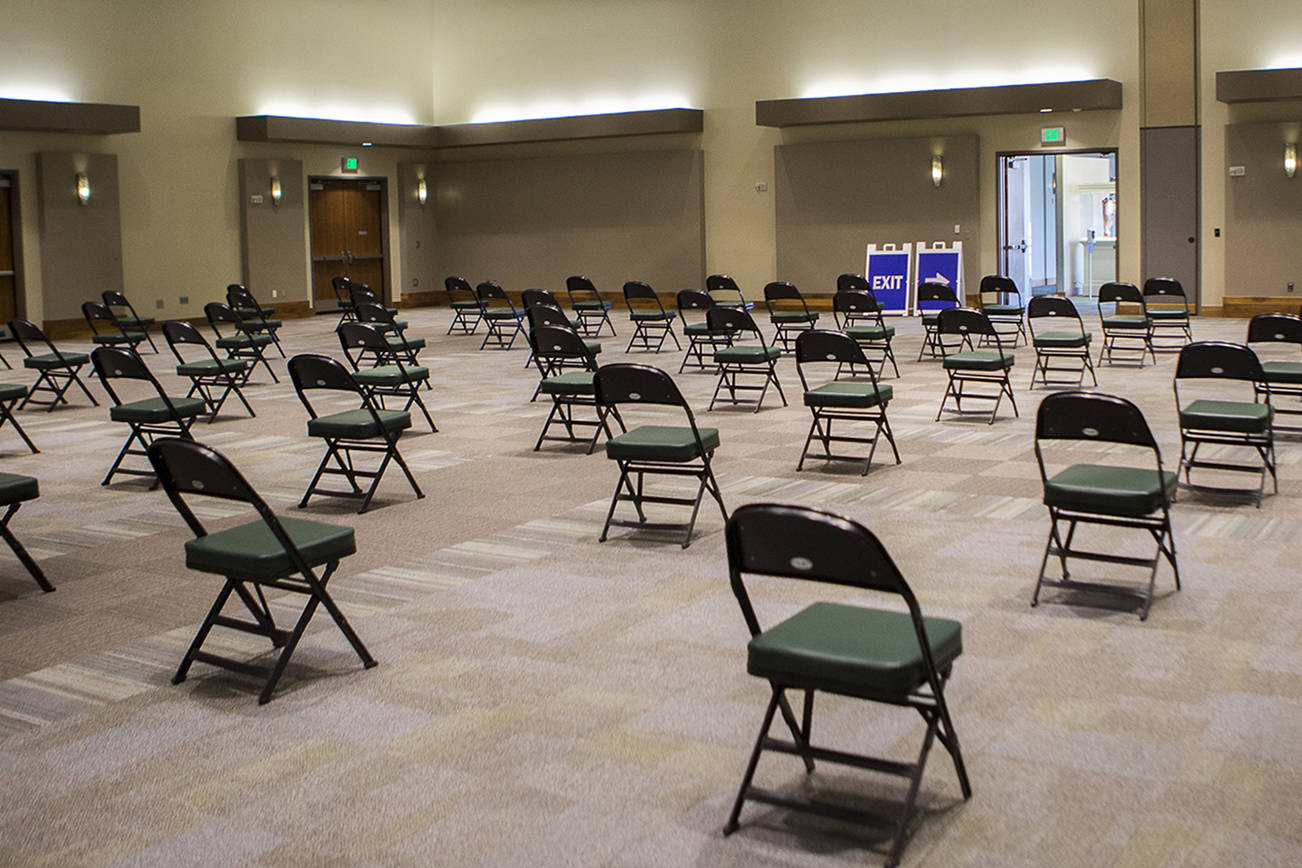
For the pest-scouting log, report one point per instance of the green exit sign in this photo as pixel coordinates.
(348, 164)
(1052, 136)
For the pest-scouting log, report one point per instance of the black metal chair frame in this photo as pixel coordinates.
(387, 323)
(697, 341)
(310, 372)
(1166, 292)
(617, 384)
(551, 315)
(114, 299)
(941, 293)
(717, 285)
(180, 333)
(98, 312)
(239, 299)
(180, 465)
(856, 305)
(7, 415)
(777, 294)
(1118, 293)
(497, 333)
(732, 322)
(993, 290)
(250, 350)
(965, 323)
(1060, 310)
(1105, 419)
(19, 550)
(359, 340)
(112, 363)
(819, 347)
(656, 321)
(459, 289)
(795, 542)
(1283, 328)
(557, 349)
(343, 298)
(581, 289)
(56, 380)
(1221, 360)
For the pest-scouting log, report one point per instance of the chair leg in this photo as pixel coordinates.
(731, 826)
(6, 415)
(26, 559)
(204, 629)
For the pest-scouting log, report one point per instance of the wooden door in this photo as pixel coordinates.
(8, 276)
(347, 226)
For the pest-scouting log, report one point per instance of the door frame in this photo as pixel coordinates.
(1050, 152)
(16, 230)
(383, 180)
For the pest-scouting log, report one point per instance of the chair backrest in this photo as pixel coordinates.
(547, 315)
(826, 345)
(361, 337)
(1120, 291)
(113, 298)
(780, 290)
(116, 363)
(237, 295)
(531, 297)
(95, 312)
(340, 283)
(372, 313)
(459, 289)
(309, 371)
(360, 293)
(965, 321)
(27, 332)
(553, 344)
(1165, 290)
(1057, 306)
(626, 383)
(1278, 327)
(1220, 360)
(178, 331)
(694, 299)
(994, 288)
(851, 282)
(937, 293)
(217, 312)
(638, 295)
(1102, 418)
(855, 302)
(490, 291)
(732, 321)
(717, 282)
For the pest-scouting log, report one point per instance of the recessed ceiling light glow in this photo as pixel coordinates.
(337, 112)
(903, 83)
(602, 104)
(27, 90)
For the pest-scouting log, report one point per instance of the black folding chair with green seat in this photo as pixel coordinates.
(15, 490)
(1135, 495)
(833, 400)
(467, 312)
(737, 361)
(279, 552)
(1062, 337)
(700, 339)
(1282, 378)
(956, 329)
(588, 306)
(651, 322)
(1127, 329)
(1001, 301)
(566, 366)
(127, 317)
(656, 450)
(395, 333)
(158, 415)
(858, 313)
(56, 370)
(500, 315)
(254, 318)
(396, 378)
(10, 395)
(1169, 310)
(361, 294)
(1220, 416)
(105, 330)
(237, 343)
(211, 377)
(343, 300)
(788, 313)
(549, 315)
(726, 293)
(531, 297)
(937, 297)
(365, 430)
(875, 654)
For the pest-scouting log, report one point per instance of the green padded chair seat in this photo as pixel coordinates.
(594, 347)
(745, 354)
(255, 311)
(237, 342)
(1244, 417)
(398, 342)
(358, 424)
(847, 394)
(786, 316)
(652, 315)
(930, 317)
(151, 410)
(15, 488)
(47, 361)
(1168, 313)
(850, 649)
(1109, 490)
(252, 550)
(1126, 322)
(257, 325)
(389, 375)
(119, 338)
(696, 329)
(591, 305)
(661, 443)
(465, 305)
(12, 391)
(208, 367)
(569, 383)
(1062, 339)
(1282, 372)
(502, 313)
(979, 360)
(870, 333)
(1002, 309)
(127, 322)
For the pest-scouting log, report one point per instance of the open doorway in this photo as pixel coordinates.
(348, 218)
(11, 274)
(1057, 218)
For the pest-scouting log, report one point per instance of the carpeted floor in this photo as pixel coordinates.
(545, 699)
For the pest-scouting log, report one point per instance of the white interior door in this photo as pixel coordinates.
(1016, 222)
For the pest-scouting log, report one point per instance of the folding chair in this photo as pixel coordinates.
(1218, 421)
(835, 400)
(360, 293)
(1069, 340)
(287, 554)
(159, 415)
(682, 450)
(649, 317)
(1134, 331)
(254, 318)
(500, 315)
(1001, 301)
(556, 351)
(56, 370)
(1280, 378)
(742, 360)
(15, 490)
(207, 372)
(880, 655)
(105, 330)
(858, 313)
(725, 292)
(237, 343)
(11, 394)
(1110, 495)
(530, 297)
(394, 330)
(467, 311)
(971, 365)
(393, 379)
(343, 299)
(127, 318)
(936, 297)
(367, 429)
(788, 313)
(699, 337)
(550, 315)
(588, 306)
(1168, 308)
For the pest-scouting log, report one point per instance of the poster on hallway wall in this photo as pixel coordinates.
(887, 270)
(940, 264)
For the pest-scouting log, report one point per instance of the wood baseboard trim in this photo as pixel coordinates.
(1251, 305)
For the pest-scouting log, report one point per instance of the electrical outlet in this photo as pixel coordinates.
(184, 299)
(761, 187)
(1290, 287)
(957, 229)
(415, 281)
(158, 303)
(275, 293)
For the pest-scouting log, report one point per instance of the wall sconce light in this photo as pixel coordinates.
(422, 191)
(83, 188)
(275, 190)
(937, 170)
(1290, 159)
